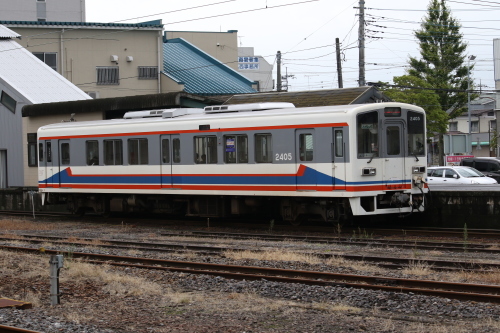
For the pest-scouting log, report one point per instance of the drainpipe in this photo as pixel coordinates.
(62, 54)
(160, 58)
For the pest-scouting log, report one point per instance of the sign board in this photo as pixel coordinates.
(455, 159)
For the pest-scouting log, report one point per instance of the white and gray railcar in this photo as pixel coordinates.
(327, 163)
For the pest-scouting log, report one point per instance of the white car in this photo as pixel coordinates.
(457, 175)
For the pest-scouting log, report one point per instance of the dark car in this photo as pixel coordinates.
(490, 166)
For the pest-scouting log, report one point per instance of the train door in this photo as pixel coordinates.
(304, 152)
(394, 153)
(63, 158)
(3, 168)
(339, 159)
(170, 155)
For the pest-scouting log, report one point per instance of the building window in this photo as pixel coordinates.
(113, 152)
(205, 149)
(49, 58)
(108, 75)
(32, 153)
(236, 149)
(474, 126)
(92, 151)
(8, 102)
(263, 148)
(493, 125)
(453, 126)
(148, 72)
(138, 151)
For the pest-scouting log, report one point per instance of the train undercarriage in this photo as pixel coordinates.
(291, 209)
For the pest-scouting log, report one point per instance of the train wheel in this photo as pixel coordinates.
(301, 219)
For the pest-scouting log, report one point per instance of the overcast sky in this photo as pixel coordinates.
(305, 31)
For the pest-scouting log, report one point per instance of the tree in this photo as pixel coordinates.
(404, 91)
(442, 58)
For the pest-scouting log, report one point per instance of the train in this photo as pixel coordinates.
(327, 163)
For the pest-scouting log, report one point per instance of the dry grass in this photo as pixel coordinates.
(356, 265)
(273, 255)
(115, 283)
(419, 268)
(20, 224)
(487, 277)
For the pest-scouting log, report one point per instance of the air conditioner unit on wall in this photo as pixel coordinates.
(93, 94)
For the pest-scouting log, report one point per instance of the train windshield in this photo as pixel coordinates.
(367, 127)
(416, 134)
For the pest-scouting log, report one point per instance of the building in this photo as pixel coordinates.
(102, 59)
(256, 68)
(42, 10)
(190, 69)
(24, 80)
(483, 125)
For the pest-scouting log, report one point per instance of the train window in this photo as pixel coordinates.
(393, 142)
(165, 151)
(113, 152)
(339, 143)
(367, 127)
(40, 152)
(176, 148)
(235, 149)
(92, 151)
(205, 149)
(263, 148)
(306, 147)
(49, 152)
(138, 151)
(416, 133)
(65, 153)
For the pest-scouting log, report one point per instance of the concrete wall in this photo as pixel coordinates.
(80, 51)
(223, 46)
(50, 10)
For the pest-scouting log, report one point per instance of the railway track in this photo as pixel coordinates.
(384, 262)
(406, 244)
(462, 291)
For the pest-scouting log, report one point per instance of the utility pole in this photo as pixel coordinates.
(339, 64)
(361, 43)
(278, 78)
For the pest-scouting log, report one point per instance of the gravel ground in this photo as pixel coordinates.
(135, 300)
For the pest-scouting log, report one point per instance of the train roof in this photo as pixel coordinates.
(211, 115)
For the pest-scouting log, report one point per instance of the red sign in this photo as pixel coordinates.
(457, 158)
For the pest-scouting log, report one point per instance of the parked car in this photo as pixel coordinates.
(457, 175)
(490, 166)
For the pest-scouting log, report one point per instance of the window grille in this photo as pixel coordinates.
(108, 75)
(148, 72)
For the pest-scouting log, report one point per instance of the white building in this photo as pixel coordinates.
(42, 10)
(256, 68)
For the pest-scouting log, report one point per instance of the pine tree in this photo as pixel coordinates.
(442, 53)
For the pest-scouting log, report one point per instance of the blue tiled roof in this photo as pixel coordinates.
(150, 24)
(201, 73)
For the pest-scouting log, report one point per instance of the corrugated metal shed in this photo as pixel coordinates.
(6, 33)
(345, 96)
(201, 73)
(31, 78)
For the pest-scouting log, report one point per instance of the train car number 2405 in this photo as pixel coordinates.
(283, 157)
